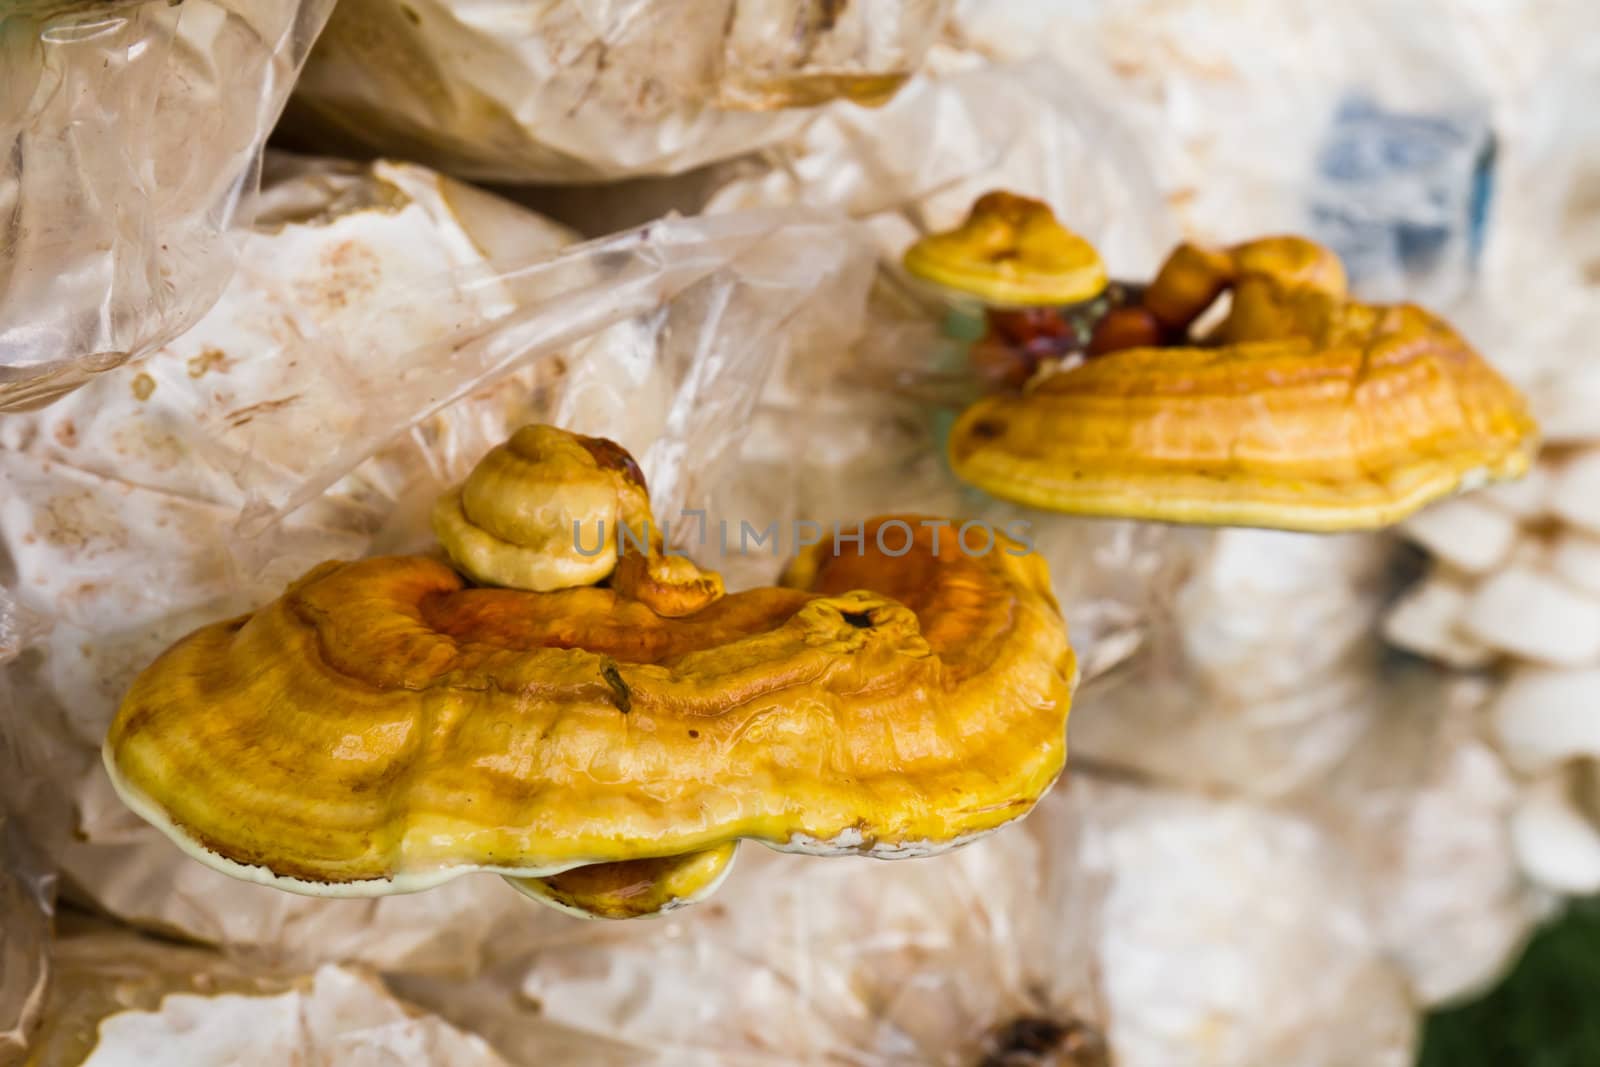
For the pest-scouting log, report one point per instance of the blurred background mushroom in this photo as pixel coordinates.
(1302, 409)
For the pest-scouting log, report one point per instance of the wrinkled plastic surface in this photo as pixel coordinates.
(774, 324)
(1372, 127)
(916, 164)
(1514, 581)
(569, 90)
(27, 902)
(131, 132)
(1232, 935)
(339, 1017)
(846, 961)
(1257, 670)
(367, 352)
(122, 998)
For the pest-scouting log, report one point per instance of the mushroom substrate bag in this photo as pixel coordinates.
(1241, 661)
(405, 324)
(131, 131)
(119, 998)
(27, 904)
(573, 90)
(393, 339)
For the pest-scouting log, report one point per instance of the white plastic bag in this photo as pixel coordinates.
(130, 132)
(575, 90)
(385, 329)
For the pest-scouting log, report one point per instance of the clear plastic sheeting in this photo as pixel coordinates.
(120, 998)
(1260, 670)
(1513, 581)
(386, 327)
(338, 1017)
(27, 901)
(891, 963)
(917, 164)
(1371, 126)
(570, 90)
(1256, 655)
(131, 132)
(1232, 935)
(1423, 805)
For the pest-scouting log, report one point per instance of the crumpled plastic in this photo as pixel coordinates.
(386, 327)
(1422, 805)
(916, 164)
(1241, 662)
(854, 961)
(27, 903)
(577, 90)
(1117, 924)
(1372, 127)
(123, 998)
(341, 1018)
(133, 130)
(1513, 580)
(1256, 650)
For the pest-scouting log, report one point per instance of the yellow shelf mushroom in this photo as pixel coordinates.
(386, 725)
(1011, 251)
(1303, 410)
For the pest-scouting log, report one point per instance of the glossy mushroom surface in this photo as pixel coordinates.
(1010, 251)
(1304, 410)
(633, 889)
(385, 725)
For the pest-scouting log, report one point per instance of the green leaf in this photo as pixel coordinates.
(1544, 1013)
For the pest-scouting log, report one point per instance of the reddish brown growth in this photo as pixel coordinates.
(613, 457)
(1019, 340)
(1128, 327)
(1032, 1041)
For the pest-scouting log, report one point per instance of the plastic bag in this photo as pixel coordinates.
(123, 998)
(133, 129)
(1422, 805)
(27, 903)
(1232, 934)
(573, 90)
(928, 961)
(199, 482)
(1369, 126)
(1514, 578)
(916, 164)
(1257, 670)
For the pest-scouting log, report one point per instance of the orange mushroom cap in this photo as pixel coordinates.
(1304, 410)
(1011, 250)
(384, 726)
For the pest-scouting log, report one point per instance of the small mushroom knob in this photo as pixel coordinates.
(550, 509)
